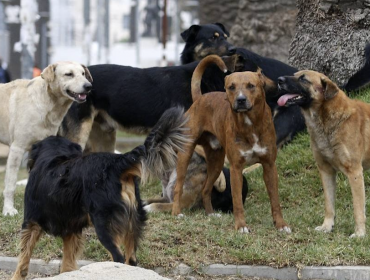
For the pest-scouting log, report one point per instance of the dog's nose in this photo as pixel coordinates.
(232, 50)
(281, 80)
(87, 87)
(241, 100)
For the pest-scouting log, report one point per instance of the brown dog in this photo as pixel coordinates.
(237, 123)
(339, 128)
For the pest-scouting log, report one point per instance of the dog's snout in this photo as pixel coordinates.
(281, 80)
(87, 86)
(241, 100)
(231, 50)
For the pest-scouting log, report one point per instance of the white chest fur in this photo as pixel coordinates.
(257, 150)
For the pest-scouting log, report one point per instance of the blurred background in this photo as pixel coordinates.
(325, 35)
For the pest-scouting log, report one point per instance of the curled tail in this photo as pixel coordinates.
(199, 70)
(163, 142)
(362, 77)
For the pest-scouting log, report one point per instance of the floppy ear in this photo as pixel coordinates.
(223, 28)
(48, 73)
(189, 34)
(87, 73)
(329, 88)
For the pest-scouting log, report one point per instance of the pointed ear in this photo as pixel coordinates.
(225, 80)
(223, 28)
(87, 73)
(48, 73)
(261, 76)
(189, 34)
(329, 88)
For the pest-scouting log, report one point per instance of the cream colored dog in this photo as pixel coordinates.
(31, 110)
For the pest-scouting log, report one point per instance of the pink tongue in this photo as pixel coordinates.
(283, 99)
(82, 96)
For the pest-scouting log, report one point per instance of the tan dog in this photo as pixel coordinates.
(31, 110)
(340, 137)
(237, 123)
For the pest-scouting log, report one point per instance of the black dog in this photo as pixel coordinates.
(362, 77)
(67, 191)
(203, 40)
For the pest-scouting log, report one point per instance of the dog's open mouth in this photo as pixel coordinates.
(289, 99)
(79, 97)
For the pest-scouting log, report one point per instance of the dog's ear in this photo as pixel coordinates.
(87, 73)
(223, 28)
(189, 34)
(261, 76)
(48, 73)
(329, 88)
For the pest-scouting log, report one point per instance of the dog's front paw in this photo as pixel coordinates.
(324, 228)
(148, 208)
(286, 229)
(244, 230)
(358, 234)
(11, 211)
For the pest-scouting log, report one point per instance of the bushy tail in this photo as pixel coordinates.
(362, 77)
(163, 142)
(199, 71)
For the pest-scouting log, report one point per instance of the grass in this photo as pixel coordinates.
(198, 240)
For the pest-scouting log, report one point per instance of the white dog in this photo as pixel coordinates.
(31, 110)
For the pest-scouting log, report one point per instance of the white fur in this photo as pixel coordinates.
(247, 120)
(31, 110)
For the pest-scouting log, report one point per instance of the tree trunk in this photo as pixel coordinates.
(331, 36)
(225, 12)
(265, 27)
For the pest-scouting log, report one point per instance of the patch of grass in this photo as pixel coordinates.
(199, 240)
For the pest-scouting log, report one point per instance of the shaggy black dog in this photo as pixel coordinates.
(67, 191)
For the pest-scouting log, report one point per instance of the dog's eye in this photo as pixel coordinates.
(68, 74)
(250, 86)
(83, 73)
(302, 79)
(232, 87)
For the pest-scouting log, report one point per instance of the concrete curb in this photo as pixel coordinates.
(290, 273)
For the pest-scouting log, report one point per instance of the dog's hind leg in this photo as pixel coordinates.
(215, 162)
(72, 246)
(109, 241)
(12, 166)
(130, 244)
(29, 237)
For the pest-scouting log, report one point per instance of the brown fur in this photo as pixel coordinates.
(340, 140)
(246, 137)
(29, 238)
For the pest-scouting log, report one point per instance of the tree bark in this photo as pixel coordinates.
(331, 37)
(225, 12)
(265, 27)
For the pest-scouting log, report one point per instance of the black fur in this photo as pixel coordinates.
(65, 188)
(362, 77)
(223, 201)
(204, 35)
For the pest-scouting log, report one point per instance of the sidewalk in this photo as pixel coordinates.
(262, 272)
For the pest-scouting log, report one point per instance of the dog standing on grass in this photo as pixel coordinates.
(340, 137)
(67, 191)
(31, 110)
(237, 123)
